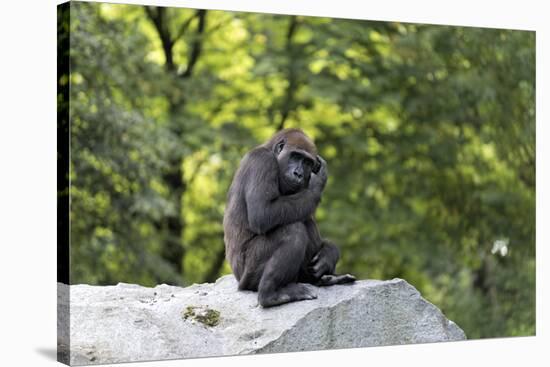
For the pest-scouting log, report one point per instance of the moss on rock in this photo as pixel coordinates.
(202, 314)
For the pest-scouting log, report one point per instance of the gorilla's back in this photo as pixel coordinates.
(235, 219)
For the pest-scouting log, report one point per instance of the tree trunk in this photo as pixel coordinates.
(173, 250)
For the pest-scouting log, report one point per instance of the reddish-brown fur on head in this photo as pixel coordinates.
(293, 137)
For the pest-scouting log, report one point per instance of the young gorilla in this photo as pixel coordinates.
(271, 239)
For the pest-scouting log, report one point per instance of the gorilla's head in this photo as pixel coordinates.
(297, 158)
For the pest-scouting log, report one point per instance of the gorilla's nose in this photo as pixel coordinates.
(298, 175)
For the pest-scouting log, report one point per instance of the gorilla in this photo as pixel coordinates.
(271, 238)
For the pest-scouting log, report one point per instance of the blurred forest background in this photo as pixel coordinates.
(428, 131)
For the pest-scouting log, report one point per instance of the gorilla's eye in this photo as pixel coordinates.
(299, 157)
(308, 162)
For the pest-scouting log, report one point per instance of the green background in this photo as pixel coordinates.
(428, 131)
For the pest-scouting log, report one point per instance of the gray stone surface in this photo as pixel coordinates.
(128, 322)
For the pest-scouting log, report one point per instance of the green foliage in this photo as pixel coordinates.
(428, 131)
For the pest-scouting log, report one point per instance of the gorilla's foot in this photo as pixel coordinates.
(332, 279)
(290, 293)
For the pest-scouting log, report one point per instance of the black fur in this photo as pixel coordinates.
(271, 239)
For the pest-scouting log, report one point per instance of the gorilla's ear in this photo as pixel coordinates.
(316, 166)
(279, 147)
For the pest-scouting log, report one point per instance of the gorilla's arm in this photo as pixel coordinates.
(266, 207)
(323, 264)
(326, 253)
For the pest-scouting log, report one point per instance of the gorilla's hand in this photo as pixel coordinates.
(318, 180)
(324, 262)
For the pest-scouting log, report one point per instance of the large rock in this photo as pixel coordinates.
(128, 322)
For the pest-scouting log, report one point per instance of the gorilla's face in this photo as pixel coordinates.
(295, 168)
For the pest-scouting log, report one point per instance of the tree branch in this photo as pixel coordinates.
(184, 27)
(197, 44)
(157, 16)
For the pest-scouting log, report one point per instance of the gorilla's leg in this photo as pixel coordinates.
(278, 282)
